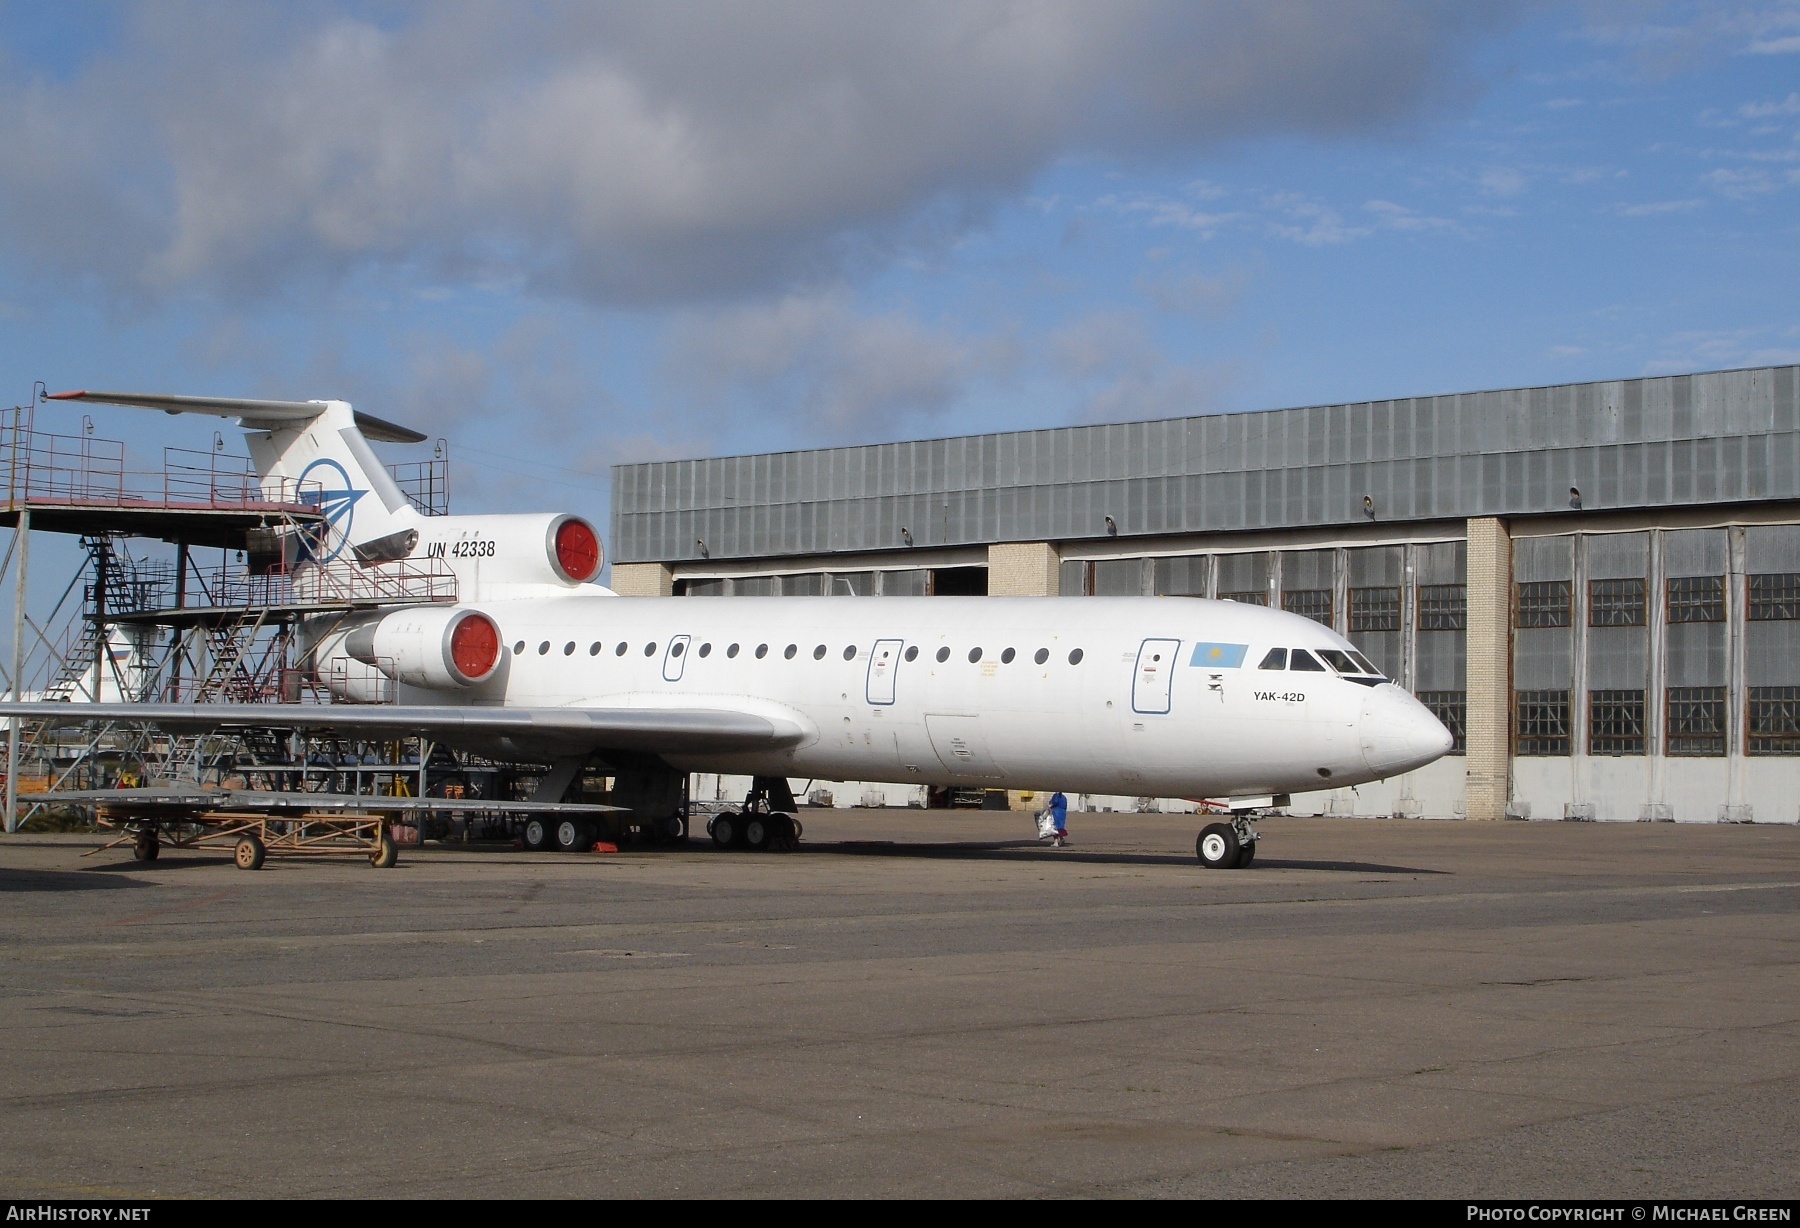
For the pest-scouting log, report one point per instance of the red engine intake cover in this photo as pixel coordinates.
(475, 646)
(577, 550)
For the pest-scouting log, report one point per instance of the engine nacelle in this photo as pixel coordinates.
(491, 554)
(435, 647)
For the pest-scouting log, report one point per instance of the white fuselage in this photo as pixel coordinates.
(1164, 699)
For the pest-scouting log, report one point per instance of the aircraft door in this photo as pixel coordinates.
(1154, 679)
(675, 657)
(884, 661)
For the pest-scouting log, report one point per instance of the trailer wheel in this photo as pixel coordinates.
(249, 853)
(536, 835)
(575, 836)
(385, 853)
(147, 845)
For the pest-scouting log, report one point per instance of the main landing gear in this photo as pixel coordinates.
(1227, 846)
(766, 822)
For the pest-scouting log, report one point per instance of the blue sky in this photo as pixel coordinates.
(565, 237)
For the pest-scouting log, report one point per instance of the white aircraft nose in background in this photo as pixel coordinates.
(1399, 733)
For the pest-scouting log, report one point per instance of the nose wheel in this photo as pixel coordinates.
(1227, 846)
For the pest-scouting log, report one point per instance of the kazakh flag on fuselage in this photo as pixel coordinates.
(1219, 656)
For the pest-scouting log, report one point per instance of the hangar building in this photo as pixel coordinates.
(1596, 586)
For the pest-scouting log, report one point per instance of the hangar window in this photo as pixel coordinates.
(762, 650)
(1374, 609)
(544, 648)
(1075, 656)
(1616, 603)
(594, 649)
(1543, 603)
(1275, 658)
(788, 652)
(1696, 599)
(1304, 660)
(1541, 723)
(1774, 725)
(974, 655)
(1615, 722)
(1006, 658)
(1773, 596)
(1443, 607)
(731, 651)
(620, 650)
(1254, 596)
(1696, 720)
(912, 653)
(706, 650)
(943, 654)
(1313, 603)
(650, 649)
(1451, 708)
(569, 649)
(849, 652)
(1041, 655)
(819, 653)
(519, 649)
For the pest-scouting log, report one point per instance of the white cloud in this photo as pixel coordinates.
(1502, 181)
(1656, 207)
(630, 153)
(1786, 45)
(1762, 110)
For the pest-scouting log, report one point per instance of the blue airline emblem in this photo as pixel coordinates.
(337, 502)
(1219, 656)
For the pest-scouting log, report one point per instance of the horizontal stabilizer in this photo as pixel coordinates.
(261, 415)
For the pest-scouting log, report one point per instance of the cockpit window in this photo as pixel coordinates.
(1302, 659)
(1368, 666)
(1277, 659)
(1340, 661)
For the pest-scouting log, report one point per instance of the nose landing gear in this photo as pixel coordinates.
(1227, 846)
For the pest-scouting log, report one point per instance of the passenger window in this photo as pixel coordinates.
(1340, 661)
(943, 654)
(850, 652)
(543, 648)
(762, 650)
(650, 649)
(1006, 658)
(620, 650)
(675, 648)
(1042, 655)
(819, 653)
(790, 650)
(519, 649)
(569, 649)
(974, 655)
(1303, 660)
(732, 651)
(1276, 659)
(912, 653)
(1075, 657)
(594, 649)
(706, 650)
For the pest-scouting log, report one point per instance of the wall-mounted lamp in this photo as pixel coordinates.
(1112, 527)
(1369, 507)
(1575, 498)
(906, 535)
(701, 543)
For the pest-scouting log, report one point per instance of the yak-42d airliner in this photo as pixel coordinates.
(534, 662)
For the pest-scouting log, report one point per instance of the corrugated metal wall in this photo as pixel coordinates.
(1728, 436)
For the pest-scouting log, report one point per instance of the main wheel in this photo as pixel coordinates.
(537, 835)
(249, 853)
(147, 845)
(1217, 846)
(385, 853)
(727, 828)
(574, 836)
(758, 830)
(1246, 855)
(671, 830)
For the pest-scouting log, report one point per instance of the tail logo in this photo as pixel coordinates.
(336, 496)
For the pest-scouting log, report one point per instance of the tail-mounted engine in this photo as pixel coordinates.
(495, 556)
(429, 646)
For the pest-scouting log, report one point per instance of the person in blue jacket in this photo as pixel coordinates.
(1059, 814)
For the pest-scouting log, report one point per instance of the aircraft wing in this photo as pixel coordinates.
(526, 732)
(269, 801)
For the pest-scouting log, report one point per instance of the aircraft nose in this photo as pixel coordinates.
(1399, 733)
